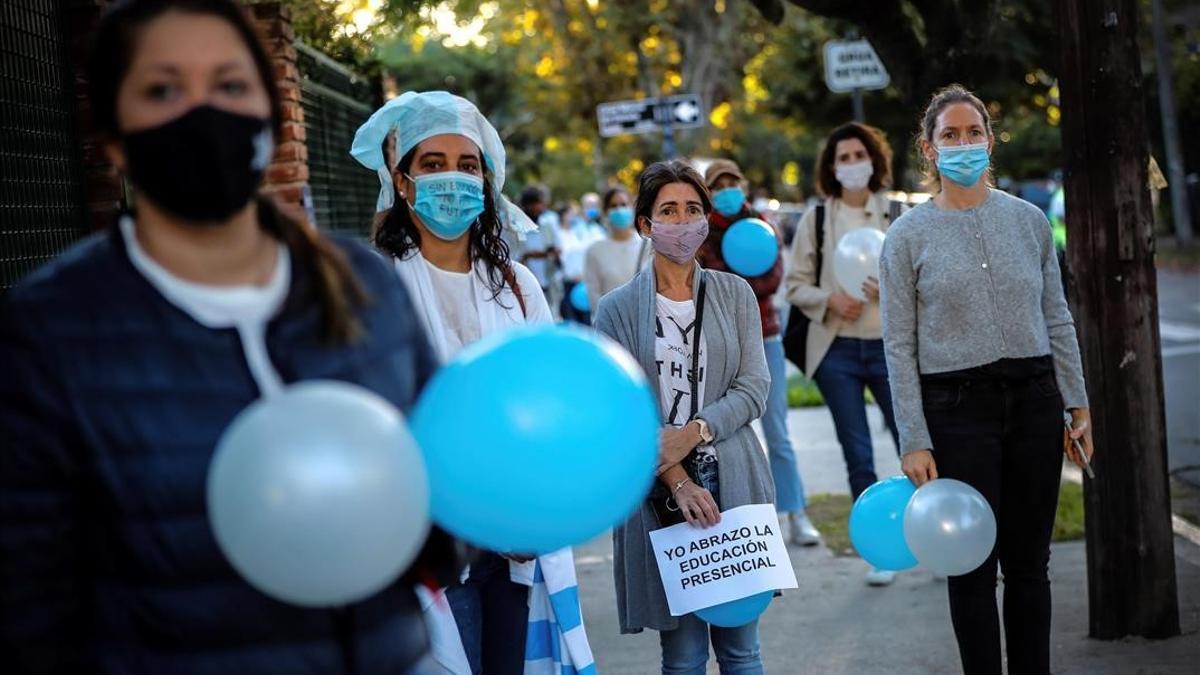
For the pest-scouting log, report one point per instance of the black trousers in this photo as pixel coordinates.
(999, 428)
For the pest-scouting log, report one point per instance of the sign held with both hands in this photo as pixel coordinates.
(741, 556)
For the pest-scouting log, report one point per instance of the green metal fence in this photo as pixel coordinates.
(336, 101)
(42, 209)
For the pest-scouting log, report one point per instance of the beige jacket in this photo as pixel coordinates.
(812, 298)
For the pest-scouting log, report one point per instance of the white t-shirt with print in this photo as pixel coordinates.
(674, 330)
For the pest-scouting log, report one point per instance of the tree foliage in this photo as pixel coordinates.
(539, 69)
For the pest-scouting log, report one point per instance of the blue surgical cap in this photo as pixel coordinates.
(416, 116)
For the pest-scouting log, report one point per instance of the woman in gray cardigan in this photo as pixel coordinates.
(653, 317)
(983, 360)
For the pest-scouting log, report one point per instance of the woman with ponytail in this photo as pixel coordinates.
(984, 364)
(126, 358)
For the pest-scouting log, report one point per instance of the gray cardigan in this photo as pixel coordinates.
(735, 394)
(964, 288)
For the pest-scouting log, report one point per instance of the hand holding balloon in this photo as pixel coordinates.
(919, 467)
(845, 307)
(870, 289)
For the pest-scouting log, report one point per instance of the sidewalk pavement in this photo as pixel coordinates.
(835, 624)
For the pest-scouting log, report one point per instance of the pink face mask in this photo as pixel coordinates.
(679, 241)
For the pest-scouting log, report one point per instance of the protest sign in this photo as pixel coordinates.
(741, 556)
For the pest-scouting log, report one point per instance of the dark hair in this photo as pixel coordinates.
(113, 47)
(397, 233)
(659, 174)
(610, 194)
(942, 99)
(878, 148)
(532, 195)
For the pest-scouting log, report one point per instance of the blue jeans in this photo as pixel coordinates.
(789, 490)
(850, 368)
(492, 613)
(685, 649)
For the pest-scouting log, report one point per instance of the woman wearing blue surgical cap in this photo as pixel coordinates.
(441, 166)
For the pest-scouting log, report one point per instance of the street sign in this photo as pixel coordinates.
(649, 114)
(853, 64)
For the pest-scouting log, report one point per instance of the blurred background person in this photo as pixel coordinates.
(537, 251)
(613, 261)
(844, 351)
(573, 236)
(728, 188)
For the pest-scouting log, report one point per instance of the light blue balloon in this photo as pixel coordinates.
(877, 524)
(737, 612)
(579, 298)
(537, 438)
(317, 496)
(750, 247)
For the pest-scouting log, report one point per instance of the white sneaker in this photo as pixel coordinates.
(803, 532)
(878, 577)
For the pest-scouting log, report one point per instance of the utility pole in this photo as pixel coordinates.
(1180, 212)
(1110, 249)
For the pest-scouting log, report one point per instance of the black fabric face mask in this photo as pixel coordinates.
(202, 166)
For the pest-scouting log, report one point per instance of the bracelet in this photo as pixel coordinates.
(679, 486)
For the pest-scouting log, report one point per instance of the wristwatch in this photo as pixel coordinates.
(705, 433)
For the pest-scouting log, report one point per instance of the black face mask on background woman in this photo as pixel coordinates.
(203, 166)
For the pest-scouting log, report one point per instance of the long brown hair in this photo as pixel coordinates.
(659, 174)
(113, 47)
(942, 99)
(878, 149)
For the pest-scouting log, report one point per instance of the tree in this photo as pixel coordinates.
(929, 43)
(1131, 554)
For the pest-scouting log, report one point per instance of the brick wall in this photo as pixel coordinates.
(287, 177)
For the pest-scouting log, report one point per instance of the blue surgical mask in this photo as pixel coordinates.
(963, 164)
(621, 217)
(592, 213)
(728, 202)
(448, 202)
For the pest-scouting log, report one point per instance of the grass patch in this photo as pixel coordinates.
(1068, 521)
(831, 515)
(1168, 255)
(803, 393)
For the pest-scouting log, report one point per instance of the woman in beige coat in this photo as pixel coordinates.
(844, 352)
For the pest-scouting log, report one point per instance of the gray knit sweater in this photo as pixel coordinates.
(964, 288)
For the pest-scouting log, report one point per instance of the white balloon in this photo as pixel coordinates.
(318, 496)
(856, 257)
(949, 527)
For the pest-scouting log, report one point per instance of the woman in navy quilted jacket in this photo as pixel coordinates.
(125, 359)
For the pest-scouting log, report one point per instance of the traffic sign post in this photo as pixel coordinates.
(852, 66)
(646, 115)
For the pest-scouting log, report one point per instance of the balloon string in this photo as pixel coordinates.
(254, 346)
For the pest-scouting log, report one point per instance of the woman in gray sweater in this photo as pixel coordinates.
(709, 388)
(983, 360)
